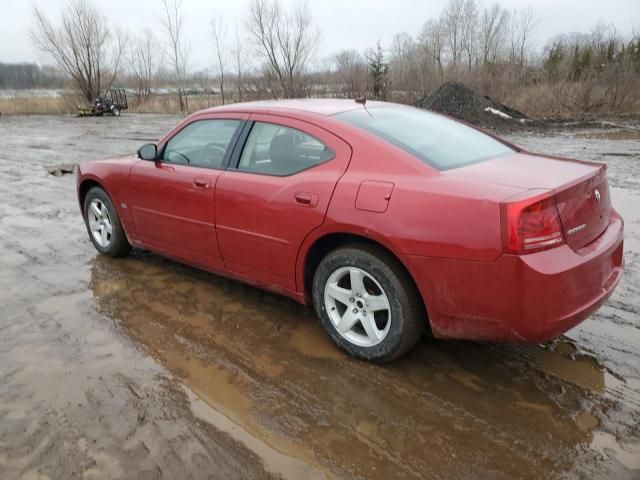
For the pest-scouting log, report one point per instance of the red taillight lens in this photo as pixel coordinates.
(531, 225)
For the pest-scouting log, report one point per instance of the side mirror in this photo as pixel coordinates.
(148, 151)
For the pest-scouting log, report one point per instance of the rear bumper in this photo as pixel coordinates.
(529, 298)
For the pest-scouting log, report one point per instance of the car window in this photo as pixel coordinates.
(277, 150)
(439, 141)
(202, 143)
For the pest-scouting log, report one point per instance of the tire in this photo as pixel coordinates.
(398, 313)
(101, 217)
(115, 112)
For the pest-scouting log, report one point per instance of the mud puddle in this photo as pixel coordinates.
(263, 363)
(143, 368)
(276, 459)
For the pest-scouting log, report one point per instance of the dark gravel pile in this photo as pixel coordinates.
(461, 102)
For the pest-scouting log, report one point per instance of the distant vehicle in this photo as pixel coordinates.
(111, 104)
(388, 219)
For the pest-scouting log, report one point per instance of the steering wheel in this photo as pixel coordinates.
(174, 156)
(212, 154)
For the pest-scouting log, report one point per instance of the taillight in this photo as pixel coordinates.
(531, 224)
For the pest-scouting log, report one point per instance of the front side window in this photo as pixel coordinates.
(277, 150)
(434, 139)
(202, 143)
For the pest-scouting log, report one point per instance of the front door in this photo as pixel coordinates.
(172, 199)
(275, 195)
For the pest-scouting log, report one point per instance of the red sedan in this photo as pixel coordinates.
(390, 220)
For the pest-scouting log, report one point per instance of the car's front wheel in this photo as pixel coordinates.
(103, 225)
(367, 303)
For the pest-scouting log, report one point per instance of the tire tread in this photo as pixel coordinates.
(413, 314)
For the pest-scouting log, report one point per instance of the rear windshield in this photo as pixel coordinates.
(434, 139)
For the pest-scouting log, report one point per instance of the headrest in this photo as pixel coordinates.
(282, 151)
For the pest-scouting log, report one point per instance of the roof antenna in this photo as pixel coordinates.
(363, 101)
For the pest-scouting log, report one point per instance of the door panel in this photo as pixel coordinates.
(262, 219)
(172, 199)
(173, 210)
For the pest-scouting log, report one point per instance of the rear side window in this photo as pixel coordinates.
(434, 139)
(277, 150)
(202, 143)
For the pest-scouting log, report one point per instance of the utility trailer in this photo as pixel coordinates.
(113, 103)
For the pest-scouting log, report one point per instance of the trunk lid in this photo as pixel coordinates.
(584, 209)
(580, 188)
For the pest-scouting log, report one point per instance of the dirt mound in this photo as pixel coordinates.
(459, 101)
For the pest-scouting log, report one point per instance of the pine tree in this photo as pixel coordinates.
(378, 71)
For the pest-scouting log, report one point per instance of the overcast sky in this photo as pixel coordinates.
(344, 23)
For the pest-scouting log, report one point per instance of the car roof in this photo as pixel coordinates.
(320, 106)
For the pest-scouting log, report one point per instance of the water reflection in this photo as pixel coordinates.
(459, 409)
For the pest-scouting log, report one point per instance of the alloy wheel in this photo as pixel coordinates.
(358, 306)
(100, 223)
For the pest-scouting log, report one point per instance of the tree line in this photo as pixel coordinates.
(29, 75)
(493, 49)
(271, 52)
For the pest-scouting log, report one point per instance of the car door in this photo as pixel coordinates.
(275, 191)
(172, 198)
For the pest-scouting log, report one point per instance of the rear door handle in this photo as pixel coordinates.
(306, 199)
(201, 183)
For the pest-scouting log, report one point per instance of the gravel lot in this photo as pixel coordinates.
(144, 368)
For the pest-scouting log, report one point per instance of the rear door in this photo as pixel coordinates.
(275, 192)
(172, 199)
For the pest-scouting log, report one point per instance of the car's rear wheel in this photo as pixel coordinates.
(103, 225)
(367, 303)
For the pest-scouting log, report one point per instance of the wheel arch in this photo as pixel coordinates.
(83, 188)
(327, 242)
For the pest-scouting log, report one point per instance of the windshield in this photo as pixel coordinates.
(434, 139)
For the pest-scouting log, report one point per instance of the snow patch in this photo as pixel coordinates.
(497, 112)
(31, 92)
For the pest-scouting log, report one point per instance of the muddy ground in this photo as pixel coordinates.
(143, 368)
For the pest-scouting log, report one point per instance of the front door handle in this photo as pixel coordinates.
(201, 183)
(306, 199)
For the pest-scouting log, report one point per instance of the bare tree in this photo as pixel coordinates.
(469, 31)
(452, 22)
(142, 61)
(521, 26)
(218, 31)
(492, 25)
(528, 23)
(351, 73)
(238, 54)
(286, 40)
(426, 60)
(406, 62)
(433, 39)
(401, 50)
(82, 45)
(177, 49)
(604, 39)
